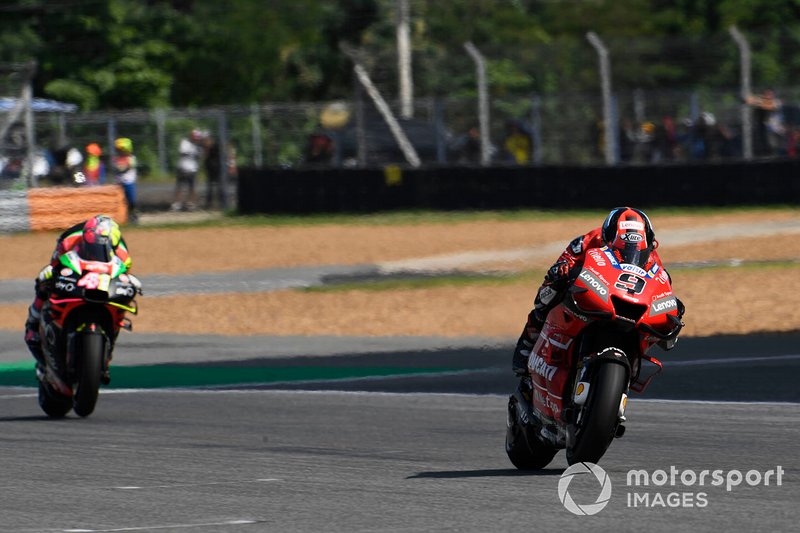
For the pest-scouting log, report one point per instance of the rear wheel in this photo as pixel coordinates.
(52, 403)
(600, 416)
(89, 370)
(525, 451)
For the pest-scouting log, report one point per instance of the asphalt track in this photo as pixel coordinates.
(410, 440)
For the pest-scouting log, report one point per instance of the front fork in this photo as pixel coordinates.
(73, 343)
(572, 416)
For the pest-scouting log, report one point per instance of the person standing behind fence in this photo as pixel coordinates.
(93, 168)
(189, 154)
(124, 166)
(768, 127)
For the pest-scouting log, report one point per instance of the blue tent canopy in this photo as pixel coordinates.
(39, 105)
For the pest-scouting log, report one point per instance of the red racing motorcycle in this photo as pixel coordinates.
(80, 322)
(588, 357)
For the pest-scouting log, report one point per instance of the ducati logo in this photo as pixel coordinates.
(538, 365)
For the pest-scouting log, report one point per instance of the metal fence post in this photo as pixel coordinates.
(361, 136)
(111, 129)
(639, 106)
(62, 129)
(746, 78)
(438, 126)
(161, 120)
(255, 128)
(616, 133)
(483, 101)
(222, 136)
(694, 107)
(400, 137)
(536, 129)
(404, 61)
(30, 134)
(605, 80)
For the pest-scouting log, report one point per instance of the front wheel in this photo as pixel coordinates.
(600, 415)
(523, 448)
(89, 370)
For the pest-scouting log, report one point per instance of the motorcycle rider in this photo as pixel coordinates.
(96, 239)
(628, 234)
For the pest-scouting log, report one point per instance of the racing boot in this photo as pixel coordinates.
(519, 363)
(522, 352)
(32, 338)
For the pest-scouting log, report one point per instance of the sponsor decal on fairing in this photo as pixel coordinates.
(598, 257)
(544, 399)
(594, 285)
(664, 305)
(538, 365)
(633, 268)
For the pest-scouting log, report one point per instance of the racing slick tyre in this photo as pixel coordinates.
(526, 452)
(52, 403)
(599, 418)
(89, 370)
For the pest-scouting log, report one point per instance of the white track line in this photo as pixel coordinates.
(180, 485)
(166, 526)
(730, 360)
(503, 397)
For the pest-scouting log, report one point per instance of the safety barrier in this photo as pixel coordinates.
(548, 187)
(57, 208)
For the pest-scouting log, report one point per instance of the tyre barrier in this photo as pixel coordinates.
(57, 208)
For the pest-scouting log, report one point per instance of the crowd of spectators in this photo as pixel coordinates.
(703, 137)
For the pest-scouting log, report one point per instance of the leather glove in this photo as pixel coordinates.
(45, 274)
(136, 283)
(558, 275)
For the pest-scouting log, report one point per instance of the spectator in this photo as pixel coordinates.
(517, 144)
(627, 140)
(320, 148)
(466, 148)
(645, 143)
(189, 153)
(124, 167)
(93, 169)
(768, 123)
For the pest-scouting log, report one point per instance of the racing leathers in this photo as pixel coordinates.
(71, 239)
(554, 288)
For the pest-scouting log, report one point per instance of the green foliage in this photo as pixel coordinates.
(153, 53)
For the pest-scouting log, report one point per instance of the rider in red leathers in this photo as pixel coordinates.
(627, 232)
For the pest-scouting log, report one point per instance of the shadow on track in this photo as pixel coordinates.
(505, 472)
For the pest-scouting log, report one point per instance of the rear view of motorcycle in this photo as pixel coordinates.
(81, 319)
(591, 352)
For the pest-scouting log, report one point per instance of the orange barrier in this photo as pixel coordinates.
(55, 208)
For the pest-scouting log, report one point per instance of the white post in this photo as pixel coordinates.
(399, 135)
(605, 81)
(483, 101)
(404, 61)
(161, 139)
(255, 129)
(30, 134)
(747, 112)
